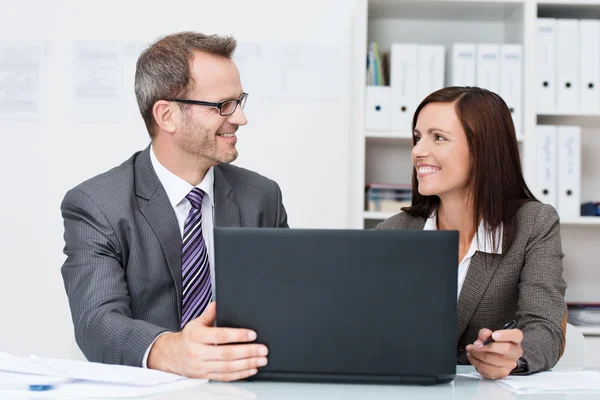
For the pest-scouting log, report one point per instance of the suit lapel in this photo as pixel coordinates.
(227, 212)
(481, 271)
(156, 208)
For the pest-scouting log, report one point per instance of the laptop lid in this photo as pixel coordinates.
(342, 305)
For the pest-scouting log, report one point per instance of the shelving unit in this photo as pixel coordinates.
(590, 221)
(581, 221)
(590, 330)
(404, 135)
(385, 156)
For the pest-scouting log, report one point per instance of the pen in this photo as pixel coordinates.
(508, 325)
(24, 386)
(36, 384)
(40, 388)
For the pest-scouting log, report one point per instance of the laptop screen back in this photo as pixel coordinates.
(339, 304)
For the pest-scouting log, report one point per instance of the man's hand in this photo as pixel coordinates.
(203, 351)
(497, 359)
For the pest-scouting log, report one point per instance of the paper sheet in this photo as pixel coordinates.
(549, 382)
(20, 70)
(86, 389)
(97, 90)
(85, 379)
(302, 71)
(247, 58)
(85, 370)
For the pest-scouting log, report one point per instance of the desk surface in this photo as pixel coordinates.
(460, 388)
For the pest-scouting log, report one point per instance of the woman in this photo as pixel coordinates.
(467, 177)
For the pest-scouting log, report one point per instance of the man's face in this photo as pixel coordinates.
(202, 131)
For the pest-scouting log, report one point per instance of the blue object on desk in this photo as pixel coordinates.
(40, 388)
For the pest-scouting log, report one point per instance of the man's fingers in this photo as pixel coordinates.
(224, 335)
(208, 317)
(237, 365)
(234, 352)
(233, 376)
(508, 335)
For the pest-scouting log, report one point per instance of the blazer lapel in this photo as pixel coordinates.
(227, 212)
(481, 271)
(156, 208)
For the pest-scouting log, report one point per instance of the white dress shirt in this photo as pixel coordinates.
(482, 242)
(177, 189)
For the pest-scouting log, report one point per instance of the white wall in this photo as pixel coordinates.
(300, 142)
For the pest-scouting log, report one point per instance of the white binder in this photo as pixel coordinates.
(545, 60)
(488, 67)
(567, 60)
(569, 171)
(403, 79)
(378, 110)
(431, 70)
(547, 164)
(589, 65)
(511, 82)
(462, 65)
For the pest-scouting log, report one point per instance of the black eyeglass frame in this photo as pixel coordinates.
(242, 100)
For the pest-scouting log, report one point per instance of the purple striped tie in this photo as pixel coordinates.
(195, 269)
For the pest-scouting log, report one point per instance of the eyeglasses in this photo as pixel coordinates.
(226, 107)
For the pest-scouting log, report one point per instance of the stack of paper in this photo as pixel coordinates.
(550, 382)
(44, 376)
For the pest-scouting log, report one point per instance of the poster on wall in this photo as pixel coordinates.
(300, 71)
(247, 58)
(97, 81)
(20, 71)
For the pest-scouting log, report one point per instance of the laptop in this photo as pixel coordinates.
(342, 305)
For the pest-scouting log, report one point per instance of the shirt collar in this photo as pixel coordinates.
(178, 188)
(484, 237)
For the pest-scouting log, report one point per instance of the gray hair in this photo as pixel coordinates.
(163, 69)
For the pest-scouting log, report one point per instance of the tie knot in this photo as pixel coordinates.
(195, 197)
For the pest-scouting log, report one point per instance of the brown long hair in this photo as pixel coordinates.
(497, 186)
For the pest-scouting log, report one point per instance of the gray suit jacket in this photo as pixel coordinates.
(122, 274)
(524, 283)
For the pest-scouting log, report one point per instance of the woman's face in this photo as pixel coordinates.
(441, 154)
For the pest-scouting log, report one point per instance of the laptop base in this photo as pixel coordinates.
(360, 379)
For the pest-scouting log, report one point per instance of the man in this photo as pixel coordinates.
(139, 272)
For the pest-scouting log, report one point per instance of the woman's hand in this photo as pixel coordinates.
(497, 359)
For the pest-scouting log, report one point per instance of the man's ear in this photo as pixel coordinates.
(165, 114)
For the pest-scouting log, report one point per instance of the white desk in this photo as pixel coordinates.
(460, 388)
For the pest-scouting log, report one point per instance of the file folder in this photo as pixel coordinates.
(431, 70)
(378, 110)
(403, 79)
(511, 82)
(589, 65)
(567, 59)
(463, 65)
(488, 67)
(545, 60)
(547, 164)
(569, 171)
